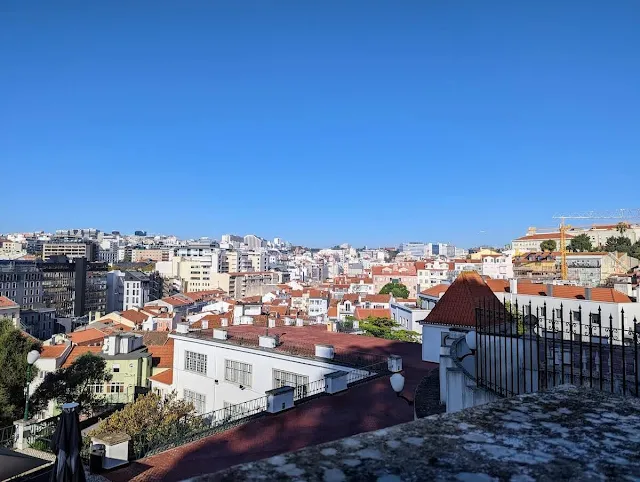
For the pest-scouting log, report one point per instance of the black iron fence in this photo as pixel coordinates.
(523, 349)
(7, 436)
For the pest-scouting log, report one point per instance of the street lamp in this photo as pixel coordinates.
(32, 357)
(397, 383)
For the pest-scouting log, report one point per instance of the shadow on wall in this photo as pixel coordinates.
(364, 407)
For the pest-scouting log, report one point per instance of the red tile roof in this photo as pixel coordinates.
(165, 377)
(7, 303)
(435, 290)
(161, 356)
(378, 298)
(457, 307)
(176, 301)
(602, 295)
(52, 351)
(134, 316)
(204, 295)
(85, 337)
(353, 297)
(78, 351)
(363, 313)
(543, 236)
(318, 294)
(393, 270)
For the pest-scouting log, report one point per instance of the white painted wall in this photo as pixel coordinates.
(263, 363)
(431, 341)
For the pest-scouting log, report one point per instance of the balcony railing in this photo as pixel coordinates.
(521, 349)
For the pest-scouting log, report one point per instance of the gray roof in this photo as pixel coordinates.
(135, 276)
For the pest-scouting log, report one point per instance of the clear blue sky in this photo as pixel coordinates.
(321, 122)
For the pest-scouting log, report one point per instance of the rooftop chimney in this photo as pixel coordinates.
(513, 286)
(587, 293)
(182, 328)
(224, 322)
(205, 324)
(549, 289)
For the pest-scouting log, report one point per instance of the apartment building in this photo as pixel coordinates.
(240, 285)
(403, 274)
(497, 266)
(431, 273)
(253, 242)
(158, 254)
(10, 310)
(532, 241)
(11, 249)
(39, 322)
(416, 250)
(21, 282)
(599, 233)
(594, 269)
(74, 288)
(69, 249)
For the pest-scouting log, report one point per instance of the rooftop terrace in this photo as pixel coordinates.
(568, 433)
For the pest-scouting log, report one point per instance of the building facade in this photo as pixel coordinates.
(21, 281)
(71, 250)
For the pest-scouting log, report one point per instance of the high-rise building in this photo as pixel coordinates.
(70, 249)
(415, 249)
(252, 241)
(21, 281)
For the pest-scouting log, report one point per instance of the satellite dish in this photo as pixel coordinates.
(530, 320)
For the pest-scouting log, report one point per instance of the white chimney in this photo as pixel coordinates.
(220, 334)
(205, 324)
(513, 286)
(272, 323)
(267, 341)
(299, 322)
(325, 351)
(224, 322)
(182, 328)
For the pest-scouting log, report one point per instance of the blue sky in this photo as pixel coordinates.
(321, 122)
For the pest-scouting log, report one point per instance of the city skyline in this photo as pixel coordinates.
(366, 123)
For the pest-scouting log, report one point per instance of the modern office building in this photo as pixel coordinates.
(21, 282)
(70, 249)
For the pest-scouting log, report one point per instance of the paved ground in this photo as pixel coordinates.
(366, 407)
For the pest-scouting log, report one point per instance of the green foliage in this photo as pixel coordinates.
(74, 384)
(386, 328)
(621, 244)
(150, 419)
(14, 346)
(635, 250)
(621, 227)
(580, 243)
(548, 245)
(398, 290)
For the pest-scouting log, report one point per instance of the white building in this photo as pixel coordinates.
(408, 315)
(252, 241)
(227, 368)
(497, 266)
(11, 310)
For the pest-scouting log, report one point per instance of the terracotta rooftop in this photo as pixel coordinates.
(393, 270)
(435, 290)
(7, 303)
(543, 236)
(353, 297)
(457, 307)
(53, 351)
(78, 351)
(85, 337)
(153, 338)
(134, 316)
(377, 298)
(363, 313)
(161, 355)
(165, 377)
(603, 295)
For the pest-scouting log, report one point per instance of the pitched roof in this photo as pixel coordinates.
(90, 335)
(78, 351)
(53, 351)
(134, 316)
(435, 290)
(204, 295)
(393, 270)
(161, 355)
(543, 236)
(457, 307)
(154, 338)
(363, 313)
(318, 294)
(7, 303)
(165, 377)
(602, 295)
(332, 312)
(353, 297)
(378, 298)
(177, 301)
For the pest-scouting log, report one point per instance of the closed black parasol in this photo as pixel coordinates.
(66, 444)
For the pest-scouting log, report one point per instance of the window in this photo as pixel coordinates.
(558, 312)
(577, 315)
(116, 387)
(238, 372)
(232, 410)
(116, 368)
(98, 388)
(198, 399)
(288, 379)
(594, 318)
(195, 362)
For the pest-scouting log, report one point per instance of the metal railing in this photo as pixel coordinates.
(374, 370)
(524, 349)
(40, 433)
(7, 436)
(195, 427)
(308, 390)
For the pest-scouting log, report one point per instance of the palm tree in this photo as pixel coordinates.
(621, 227)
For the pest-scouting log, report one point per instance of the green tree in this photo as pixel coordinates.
(150, 419)
(580, 243)
(398, 290)
(635, 250)
(382, 327)
(548, 245)
(620, 244)
(74, 384)
(621, 227)
(14, 346)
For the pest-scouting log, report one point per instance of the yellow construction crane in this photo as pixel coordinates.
(623, 215)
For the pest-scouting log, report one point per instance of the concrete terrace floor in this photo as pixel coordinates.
(365, 407)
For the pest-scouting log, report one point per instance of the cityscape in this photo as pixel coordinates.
(319, 241)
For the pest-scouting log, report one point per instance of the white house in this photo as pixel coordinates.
(11, 310)
(51, 358)
(408, 315)
(497, 266)
(217, 371)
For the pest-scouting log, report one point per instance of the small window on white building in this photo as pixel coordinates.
(116, 368)
(198, 400)
(195, 362)
(288, 379)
